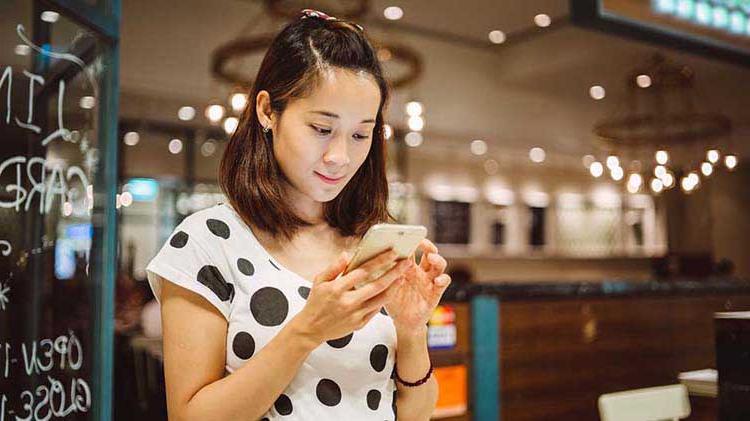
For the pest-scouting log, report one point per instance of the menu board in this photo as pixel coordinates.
(50, 94)
(716, 28)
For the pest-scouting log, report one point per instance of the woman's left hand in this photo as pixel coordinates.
(419, 292)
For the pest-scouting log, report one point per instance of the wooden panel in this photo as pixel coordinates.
(557, 357)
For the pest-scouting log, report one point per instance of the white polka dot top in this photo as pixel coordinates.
(214, 254)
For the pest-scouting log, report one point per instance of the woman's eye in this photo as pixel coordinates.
(321, 130)
(360, 137)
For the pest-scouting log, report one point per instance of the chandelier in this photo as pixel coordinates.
(402, 64)
(664, 134)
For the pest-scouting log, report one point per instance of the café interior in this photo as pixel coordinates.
(581, 165)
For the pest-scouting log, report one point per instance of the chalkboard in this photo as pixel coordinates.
(451, 221)
(51, 282)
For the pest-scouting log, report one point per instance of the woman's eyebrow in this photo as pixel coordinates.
(334, 115)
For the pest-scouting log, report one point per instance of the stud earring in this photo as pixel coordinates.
(267, 134)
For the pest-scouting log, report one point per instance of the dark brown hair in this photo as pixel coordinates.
(249, 174)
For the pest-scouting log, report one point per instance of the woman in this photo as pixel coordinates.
(257, 320)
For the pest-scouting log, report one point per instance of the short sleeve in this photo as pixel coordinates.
(183, 260)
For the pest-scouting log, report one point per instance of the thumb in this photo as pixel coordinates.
(338, 266)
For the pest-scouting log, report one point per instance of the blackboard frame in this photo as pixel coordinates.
(104, 20)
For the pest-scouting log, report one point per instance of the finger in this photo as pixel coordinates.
(376, 265)
(334, 269)
(380, 261)
(377, 286)
(441, 284)
(427, 247)
(437, 265)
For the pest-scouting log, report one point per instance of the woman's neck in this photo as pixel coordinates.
(306, 208)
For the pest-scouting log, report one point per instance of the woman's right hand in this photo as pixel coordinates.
(335, 308)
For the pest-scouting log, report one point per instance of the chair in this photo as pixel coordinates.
(649, 404)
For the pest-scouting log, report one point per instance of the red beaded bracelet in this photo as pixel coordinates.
(419, 382)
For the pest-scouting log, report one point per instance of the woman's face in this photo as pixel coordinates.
(321, 140)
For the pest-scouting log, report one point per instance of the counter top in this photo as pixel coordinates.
(605, 288)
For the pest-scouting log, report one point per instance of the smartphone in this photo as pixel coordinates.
(404, 239)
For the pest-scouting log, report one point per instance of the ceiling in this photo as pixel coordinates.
(530, 91)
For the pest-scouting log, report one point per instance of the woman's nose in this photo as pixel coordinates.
(337, 153)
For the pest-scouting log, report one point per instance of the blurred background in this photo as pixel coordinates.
(582, 165)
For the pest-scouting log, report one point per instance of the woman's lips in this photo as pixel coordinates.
(328, 180)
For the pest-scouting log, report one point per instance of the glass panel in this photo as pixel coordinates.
(49, 173)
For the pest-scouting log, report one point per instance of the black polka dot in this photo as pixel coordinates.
(179, 240)
(218, 228)
(210, 276)
(243, 345)
(230, 286)
(373, 399)
(245, 266)
(283, 405)
(394, 407)
(304, 292)
(273, 264)
(341, 342)
(329, 393)
(383, 312)
(378, 356)
(269, 306)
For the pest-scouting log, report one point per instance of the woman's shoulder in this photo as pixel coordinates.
(213, 219)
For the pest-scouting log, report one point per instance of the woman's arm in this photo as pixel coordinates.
(411, 308)
(195, 355)
(412, 363)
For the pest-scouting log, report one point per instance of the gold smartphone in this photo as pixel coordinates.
(404, 239)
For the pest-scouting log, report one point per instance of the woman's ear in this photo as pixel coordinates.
(263, 108)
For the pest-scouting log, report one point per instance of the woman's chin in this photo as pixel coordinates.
(326, 195)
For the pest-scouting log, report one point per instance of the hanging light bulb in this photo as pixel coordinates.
(414, 108)
(612, 162)
(662, 157)
(214, 113)
(617, 173)
(687, 186)
(656, 185)
(668, 180)
(238, 101)
(660, 171)
(230, 124)
(730, 161)
(712, 156)
(707, 168)
(597, 169)
(693, 176)
(416, 123)
(634, 182)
